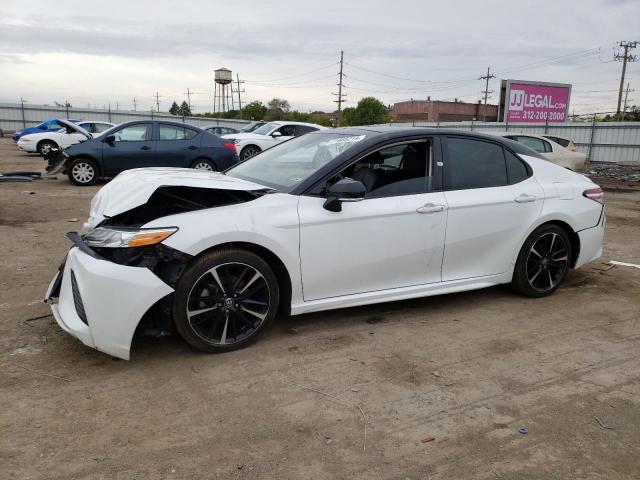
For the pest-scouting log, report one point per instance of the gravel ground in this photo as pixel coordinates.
(355, 393)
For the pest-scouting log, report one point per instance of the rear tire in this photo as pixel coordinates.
(225, 300)
(82, 172)
(45, 146)
(204, 164)
(543, 262)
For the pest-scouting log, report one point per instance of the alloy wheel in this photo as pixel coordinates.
(228, 303)
(547, 262)
(249, 152)
(203, 166)
(83, 172)
(45, 148)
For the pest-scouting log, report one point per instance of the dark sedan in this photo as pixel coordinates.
(147, 144)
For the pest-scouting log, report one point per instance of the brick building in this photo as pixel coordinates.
(438, 111)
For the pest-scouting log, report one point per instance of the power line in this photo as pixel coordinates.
(625, 57)
(295, 75)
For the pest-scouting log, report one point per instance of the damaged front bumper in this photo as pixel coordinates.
(56, 161)
(101, 302)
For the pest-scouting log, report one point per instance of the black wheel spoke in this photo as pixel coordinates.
(547, 262)
(228, 303)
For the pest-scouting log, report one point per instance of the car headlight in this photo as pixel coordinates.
(122, 238)
(24, 139)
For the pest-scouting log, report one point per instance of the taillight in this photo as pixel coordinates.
(595, 194)
(230, 146)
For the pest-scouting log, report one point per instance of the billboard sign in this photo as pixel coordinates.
(536, 102)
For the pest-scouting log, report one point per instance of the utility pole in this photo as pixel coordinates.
(188, 94)
(117, 105)
(486, 91)
(135, 104)
(158, 102)
(239, 90)
(340, 94)
(24, 121)
(625, 57)
(626, 96)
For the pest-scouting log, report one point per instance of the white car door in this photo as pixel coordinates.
(286, 132)
(492, 200)
(393, 238)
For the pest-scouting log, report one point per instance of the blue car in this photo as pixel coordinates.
(144, 143)
(49, 125)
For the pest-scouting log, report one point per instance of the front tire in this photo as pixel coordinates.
(82, 172)
(249, 151)
(225, 300)
(543, 262)
(45, 147)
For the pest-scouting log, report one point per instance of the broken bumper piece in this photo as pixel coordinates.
(101, 302)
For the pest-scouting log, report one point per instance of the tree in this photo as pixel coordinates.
(254, 110)
(277, 108)
(369, 111)
(174, 109)
(184, 110)
(348, 116)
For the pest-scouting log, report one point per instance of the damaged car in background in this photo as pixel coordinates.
(327, 220)
(137, 144)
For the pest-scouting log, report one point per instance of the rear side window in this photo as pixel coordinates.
(101, 127)
(536, 144)
(516, 169)
(473, 164)
(302, 129)
(173, 132)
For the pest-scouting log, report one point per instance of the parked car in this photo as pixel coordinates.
(565, 142)
(253, 126)
(218, 130)
(69, 134)
(556, 153)
(145, 143)
(356, 215)
(268, 135)
(49, 125)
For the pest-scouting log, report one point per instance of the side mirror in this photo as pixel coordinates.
(109, 139)
(276, 134)
(345, 190)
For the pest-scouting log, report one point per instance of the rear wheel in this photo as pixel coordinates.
(225, 300)
(204, 164)
(249, 151)
(543, 262)
(82, 171)
(45, 147)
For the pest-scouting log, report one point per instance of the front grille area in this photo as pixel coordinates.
(77, 299)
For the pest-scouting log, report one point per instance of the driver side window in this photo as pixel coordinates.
(287, 130)
(401, 169)
(135, 133)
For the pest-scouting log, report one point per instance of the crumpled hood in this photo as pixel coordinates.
(132, 188)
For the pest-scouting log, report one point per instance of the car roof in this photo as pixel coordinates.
(285, 122)
(387, 132)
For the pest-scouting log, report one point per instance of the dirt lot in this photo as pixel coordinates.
(466, 369)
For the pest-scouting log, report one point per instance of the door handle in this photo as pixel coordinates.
(524, 198)
(192, 147)
(145, 147)
(431, 208)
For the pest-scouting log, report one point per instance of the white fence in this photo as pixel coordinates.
(14, 116)
(613, 142)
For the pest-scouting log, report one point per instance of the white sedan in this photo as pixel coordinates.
(563, 156)
(331, 219)
(69, 135)
(268, 135)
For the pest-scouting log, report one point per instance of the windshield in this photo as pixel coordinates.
(266, 128)
(286, 165)
(252, 126)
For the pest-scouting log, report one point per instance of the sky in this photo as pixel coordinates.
(108, 53)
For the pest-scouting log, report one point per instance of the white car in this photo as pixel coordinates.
(268, 135)
(327, 220)
(69, 135)
(565, 157)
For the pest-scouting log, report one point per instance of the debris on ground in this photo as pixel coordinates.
(604, 425)
(613, 171)
(624, 264)
(523, 430)
(427, 439)
(72, 220)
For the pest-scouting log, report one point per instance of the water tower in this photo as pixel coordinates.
(222, 90)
